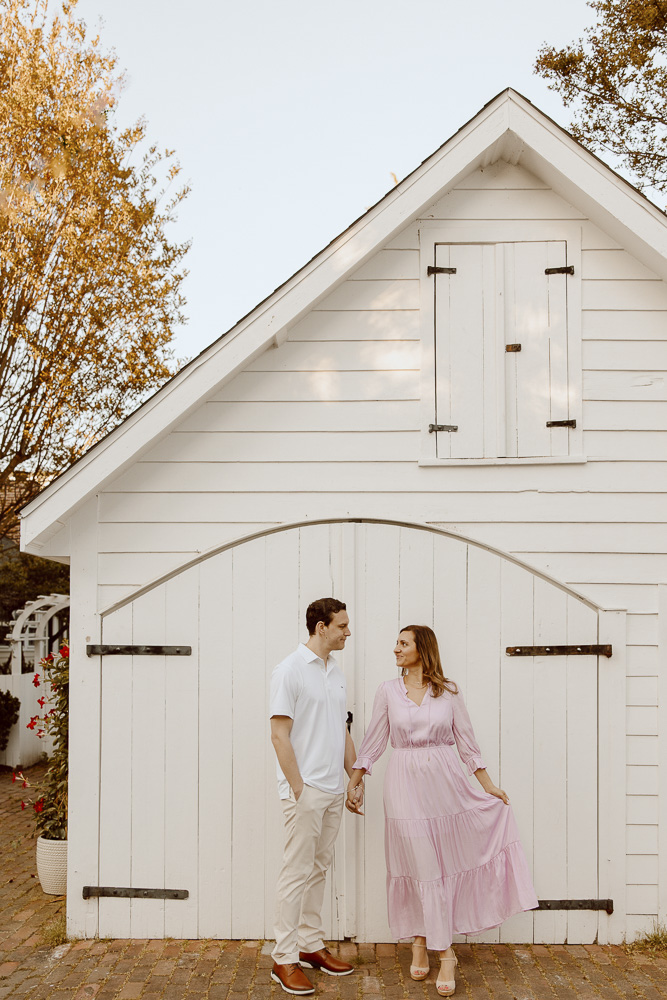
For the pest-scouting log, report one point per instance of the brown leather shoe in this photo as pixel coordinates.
(292, 978)
(325, 962)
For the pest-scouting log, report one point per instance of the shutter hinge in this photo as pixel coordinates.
(442, 427)
(561, 423)
(560, 270)
(440, 270)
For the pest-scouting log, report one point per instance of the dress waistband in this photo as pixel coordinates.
(425, 746)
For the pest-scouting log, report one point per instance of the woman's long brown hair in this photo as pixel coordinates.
(429, 654)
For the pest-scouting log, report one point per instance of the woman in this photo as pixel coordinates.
(454, 861)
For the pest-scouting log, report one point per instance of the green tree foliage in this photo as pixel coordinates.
(616, 79)
(89, 280)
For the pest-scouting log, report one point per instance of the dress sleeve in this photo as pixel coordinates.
(375, 739)
(466, 744)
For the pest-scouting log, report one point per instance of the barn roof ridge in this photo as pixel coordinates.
(488, 135)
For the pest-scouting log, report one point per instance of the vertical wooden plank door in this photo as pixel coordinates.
(535, 718)
(188, 789)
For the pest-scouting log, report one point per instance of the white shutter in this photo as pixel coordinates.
(535, 316)
(500, 401)
(466, 350)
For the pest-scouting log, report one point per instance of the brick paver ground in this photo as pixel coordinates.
(235, 970)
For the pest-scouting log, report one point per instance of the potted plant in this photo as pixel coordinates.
(50, 803)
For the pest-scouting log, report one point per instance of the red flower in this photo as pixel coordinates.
(22, 804)
(13, 778)
(40, 732)
(41, 702)
(39, 805)
(25, 784)
(32, 723)
(35, 680)
(47, 659)
(64, 651)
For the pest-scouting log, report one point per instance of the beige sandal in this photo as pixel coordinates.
(418, 972)
(446, 987)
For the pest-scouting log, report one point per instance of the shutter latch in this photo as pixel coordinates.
(512, 348)
(440, 270)
(561, 423)
(442, 427)
(560, 270)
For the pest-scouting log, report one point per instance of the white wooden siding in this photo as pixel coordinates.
(343, 394)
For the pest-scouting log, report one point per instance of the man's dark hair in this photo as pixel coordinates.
(322, 610)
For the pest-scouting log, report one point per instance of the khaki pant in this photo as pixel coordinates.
(312, 826)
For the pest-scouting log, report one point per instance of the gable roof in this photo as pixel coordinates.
(509, 127)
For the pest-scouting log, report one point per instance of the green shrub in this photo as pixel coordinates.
(9, 716)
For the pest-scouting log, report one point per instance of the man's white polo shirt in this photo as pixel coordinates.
(314, 698)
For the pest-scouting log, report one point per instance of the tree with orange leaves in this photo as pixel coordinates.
(89, 281)
(616, 78)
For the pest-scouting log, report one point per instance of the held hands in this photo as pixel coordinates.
(355, 798)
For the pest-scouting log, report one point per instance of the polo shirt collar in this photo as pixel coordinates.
(310, 656)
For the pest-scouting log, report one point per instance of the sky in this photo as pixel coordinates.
(290, 116)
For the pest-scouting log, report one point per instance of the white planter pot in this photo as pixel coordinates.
(52, 865)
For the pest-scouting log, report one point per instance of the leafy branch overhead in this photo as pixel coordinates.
(89, 280)
(616, 79)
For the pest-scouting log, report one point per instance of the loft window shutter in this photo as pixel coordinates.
(536, 382)
(461, 332)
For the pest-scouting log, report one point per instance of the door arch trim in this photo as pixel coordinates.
(290, 525)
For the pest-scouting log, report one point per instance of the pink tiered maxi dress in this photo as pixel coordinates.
(454, 861)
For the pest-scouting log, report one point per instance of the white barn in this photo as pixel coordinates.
(455, 414)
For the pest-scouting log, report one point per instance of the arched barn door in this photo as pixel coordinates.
(188, 797)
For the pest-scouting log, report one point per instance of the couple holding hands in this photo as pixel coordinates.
(454, 861)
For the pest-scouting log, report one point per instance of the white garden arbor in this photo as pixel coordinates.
(187, 774)
(39, 629)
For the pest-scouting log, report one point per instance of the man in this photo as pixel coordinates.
(313, 746)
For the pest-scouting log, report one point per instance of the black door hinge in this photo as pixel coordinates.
(440, 270)
(582, 650)
(577, 904)
(127, 892)
(560, 270)
(119, 649)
